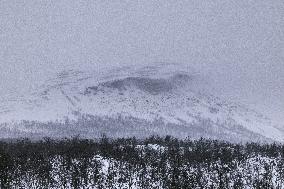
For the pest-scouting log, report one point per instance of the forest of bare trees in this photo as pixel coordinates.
(154, 162)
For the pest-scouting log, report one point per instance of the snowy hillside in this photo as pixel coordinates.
(162, 96)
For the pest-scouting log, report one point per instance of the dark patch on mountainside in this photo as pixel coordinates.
(149, 85)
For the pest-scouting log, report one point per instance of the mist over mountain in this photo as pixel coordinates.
(238, 46)
(163, 99)
(64, 59)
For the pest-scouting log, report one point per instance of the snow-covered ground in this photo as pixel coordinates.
(110, 173)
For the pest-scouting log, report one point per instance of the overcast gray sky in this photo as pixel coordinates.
(237, 44)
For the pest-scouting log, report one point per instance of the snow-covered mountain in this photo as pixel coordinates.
(131, 101)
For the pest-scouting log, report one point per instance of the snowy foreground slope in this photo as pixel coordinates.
(109, 173)
(131, 102)
(153, 163)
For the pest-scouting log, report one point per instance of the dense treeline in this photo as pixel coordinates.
(130, 163)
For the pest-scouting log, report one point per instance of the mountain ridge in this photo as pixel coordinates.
(147, 94)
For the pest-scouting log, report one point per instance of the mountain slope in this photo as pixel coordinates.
(151, 100)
